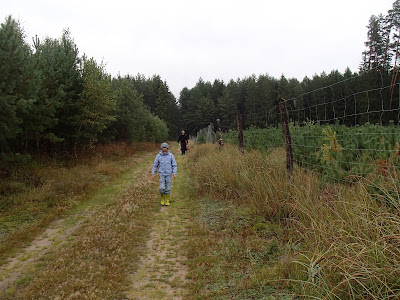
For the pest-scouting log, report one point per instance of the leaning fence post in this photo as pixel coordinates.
(240, 132)
(286, 134)
(220, 140)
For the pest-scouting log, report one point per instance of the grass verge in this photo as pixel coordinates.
(256, 235)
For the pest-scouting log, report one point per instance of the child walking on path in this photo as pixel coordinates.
(167, 167)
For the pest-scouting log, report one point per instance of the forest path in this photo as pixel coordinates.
(162, 271)
(120, 244)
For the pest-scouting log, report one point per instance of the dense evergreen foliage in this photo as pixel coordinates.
(54, 100)
(256, 97)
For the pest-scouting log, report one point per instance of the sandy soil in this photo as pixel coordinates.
(58, 232)
(162, 272)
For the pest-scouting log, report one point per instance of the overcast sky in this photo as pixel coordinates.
(183, 40)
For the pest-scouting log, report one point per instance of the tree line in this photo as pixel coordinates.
(318, 99)
(256, 97)
(52, 99)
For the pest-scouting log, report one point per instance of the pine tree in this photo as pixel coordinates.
(166, 108)
(375, 56)
(184, 99)
(163, 109)
(217, 90)
(205, 113)
(393, 31)
(226, 111)
(98, 106)
(17, 85)
(61, 89)
(131, 115)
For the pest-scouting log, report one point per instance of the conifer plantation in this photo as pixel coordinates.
(56, 100)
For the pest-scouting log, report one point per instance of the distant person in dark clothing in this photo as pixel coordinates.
(183, 139)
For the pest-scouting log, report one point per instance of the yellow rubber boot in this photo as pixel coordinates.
(167, 198)
(162, 198)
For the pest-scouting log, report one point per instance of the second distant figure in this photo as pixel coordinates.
(183, 139)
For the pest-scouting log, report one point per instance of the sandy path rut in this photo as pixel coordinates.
(55, 235)
(162, 271)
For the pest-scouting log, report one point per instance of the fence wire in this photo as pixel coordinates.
(337, 131)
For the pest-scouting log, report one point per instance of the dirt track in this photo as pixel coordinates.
(162, 272)
(159, 271)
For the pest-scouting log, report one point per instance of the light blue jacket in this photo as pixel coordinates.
(165, 163)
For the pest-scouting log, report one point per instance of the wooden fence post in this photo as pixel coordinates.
(240, 132)
(286, 134)
(220, 140)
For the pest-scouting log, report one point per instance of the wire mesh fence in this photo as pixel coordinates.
(343, 131)
(342, 206)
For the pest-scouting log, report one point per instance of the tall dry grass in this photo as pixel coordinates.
(226, 174)
(339, 241)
